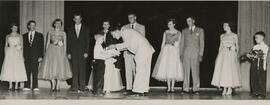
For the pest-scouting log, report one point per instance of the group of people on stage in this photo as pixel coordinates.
(181, 53)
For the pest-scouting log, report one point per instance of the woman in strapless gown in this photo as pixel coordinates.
(13, 68)
(227, 68)
(55, 66)
(169, 66)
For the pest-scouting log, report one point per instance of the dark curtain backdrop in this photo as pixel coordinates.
(9, 13)
(209, 15)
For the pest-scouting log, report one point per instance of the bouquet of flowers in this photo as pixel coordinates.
(60, 43)
(255, 54)
(171, 39)
(252, 55)
(113, 52)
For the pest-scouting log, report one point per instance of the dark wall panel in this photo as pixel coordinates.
(9, 13)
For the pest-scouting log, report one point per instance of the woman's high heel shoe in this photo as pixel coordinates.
(10, 89)
(229, 92)
(168, 91)
(172, 90)
(224, 92)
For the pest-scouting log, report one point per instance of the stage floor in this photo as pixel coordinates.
(154, 94)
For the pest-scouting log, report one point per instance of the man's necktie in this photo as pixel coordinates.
(132, 26)
(31, 39)
(191, 31)
(105, 35)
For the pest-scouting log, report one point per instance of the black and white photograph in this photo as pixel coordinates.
(134, 52)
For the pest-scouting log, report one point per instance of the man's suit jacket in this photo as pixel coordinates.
(36, 50)
(192, 43)
(77, 46)
(138, 27)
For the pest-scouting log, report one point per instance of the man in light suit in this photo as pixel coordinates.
(129, 57)
(142, 50)
(192, 49)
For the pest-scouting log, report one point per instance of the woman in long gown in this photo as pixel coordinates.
(169, 66)
(55, 66)
(227, 68)
(13, 69)
(112, 76)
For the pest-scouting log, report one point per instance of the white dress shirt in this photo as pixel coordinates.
(31, 33)
(262, 46)
(78, 29)
(192, 28)
(134, 25)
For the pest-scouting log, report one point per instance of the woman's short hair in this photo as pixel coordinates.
(13, 24)
(171, 20)
(116, 27)
(29, 22)
(231, 24)
(57, 20)
(260, 33)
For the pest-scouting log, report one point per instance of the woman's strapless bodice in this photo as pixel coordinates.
(56, 37)
(14, 41)
(228, 41)
(171, 37)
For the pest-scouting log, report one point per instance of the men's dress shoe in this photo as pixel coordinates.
(79, 91)
(261, 96)
(184, 92)
(168, 91)
(36, 89)
(16, 90)
(127, 92)
(135, 94)
(26, 89)
(9, 90)
(82, 90)
(196, 92)
(73, 91)
(86, 89)
(145, 93)
(52, 90)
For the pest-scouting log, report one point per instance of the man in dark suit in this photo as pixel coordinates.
(33, 45)
(109, 40)
(78, 41)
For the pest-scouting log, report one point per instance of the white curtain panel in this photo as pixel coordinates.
(43, 12)
(253, 16)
